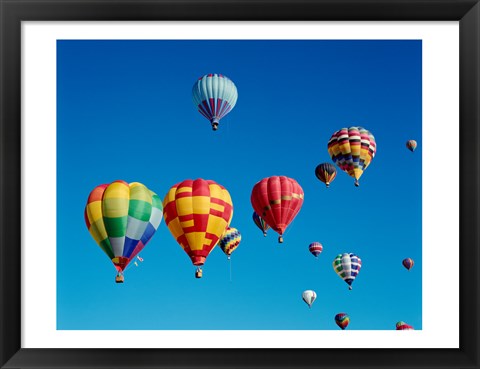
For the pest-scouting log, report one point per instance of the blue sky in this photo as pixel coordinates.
(124, 111)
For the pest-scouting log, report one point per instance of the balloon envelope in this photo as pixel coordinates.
(214, 95)
(309, 297)
(122, 218)
(411, 145)
(277, 200)
(402, 326)
(408, 263)
(315, 248)
(352, 150)
(326, 173)
(197, 212)
(347, 266)
(260, 223)
(342, 320)
(230, 241)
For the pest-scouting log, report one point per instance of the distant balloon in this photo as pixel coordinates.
(342, 320)
(214, 95)
(326, 173)
(309, 297)
(347, 266)
(230, 241)
(408, 263)
(315, 248)
(260, 223)
(352, 150)
(122, 218)
(411, 145)
(197, 213)
(402, 326)
(277, 200)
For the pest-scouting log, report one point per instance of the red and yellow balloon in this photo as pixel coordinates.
(197, 213)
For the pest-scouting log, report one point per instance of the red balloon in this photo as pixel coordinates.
(402, 326)
(277, 200)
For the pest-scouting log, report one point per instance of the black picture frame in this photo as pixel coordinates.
(13, 12)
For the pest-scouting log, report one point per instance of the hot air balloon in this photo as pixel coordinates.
(315, 248)
(411, 145)
(326, 173)
(342, 320)
(258, 220)
(309, 297)
(277, 200)
(347, 266)
(352, 150)
(214, 95)
(402, 326)
(230, 241)
(197, 213)
(122, 218)
(408, 263)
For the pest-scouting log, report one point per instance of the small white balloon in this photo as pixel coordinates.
(309, 297)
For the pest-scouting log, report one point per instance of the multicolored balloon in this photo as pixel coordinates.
(122, 218)
(260, 223)
(326, 173)
(230, 241)
(402, 326)
(315, 248)
(352, 150)
(342, 320)
(277, 200)
(411, 145)
(214, 95)
(347, 266)
(197, 213)
(309, 297)
(408, 263)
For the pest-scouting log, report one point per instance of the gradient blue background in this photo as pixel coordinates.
(125, 112)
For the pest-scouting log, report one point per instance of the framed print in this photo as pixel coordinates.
(318, 196)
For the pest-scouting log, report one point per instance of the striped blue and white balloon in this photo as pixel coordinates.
(347, 266)
(214, 95)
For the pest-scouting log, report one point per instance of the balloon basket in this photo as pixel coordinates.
(357, 184)
(119, 279)
(198, 273)
(214, 126)
(280, 239)
(350, 288)
(264, 234)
